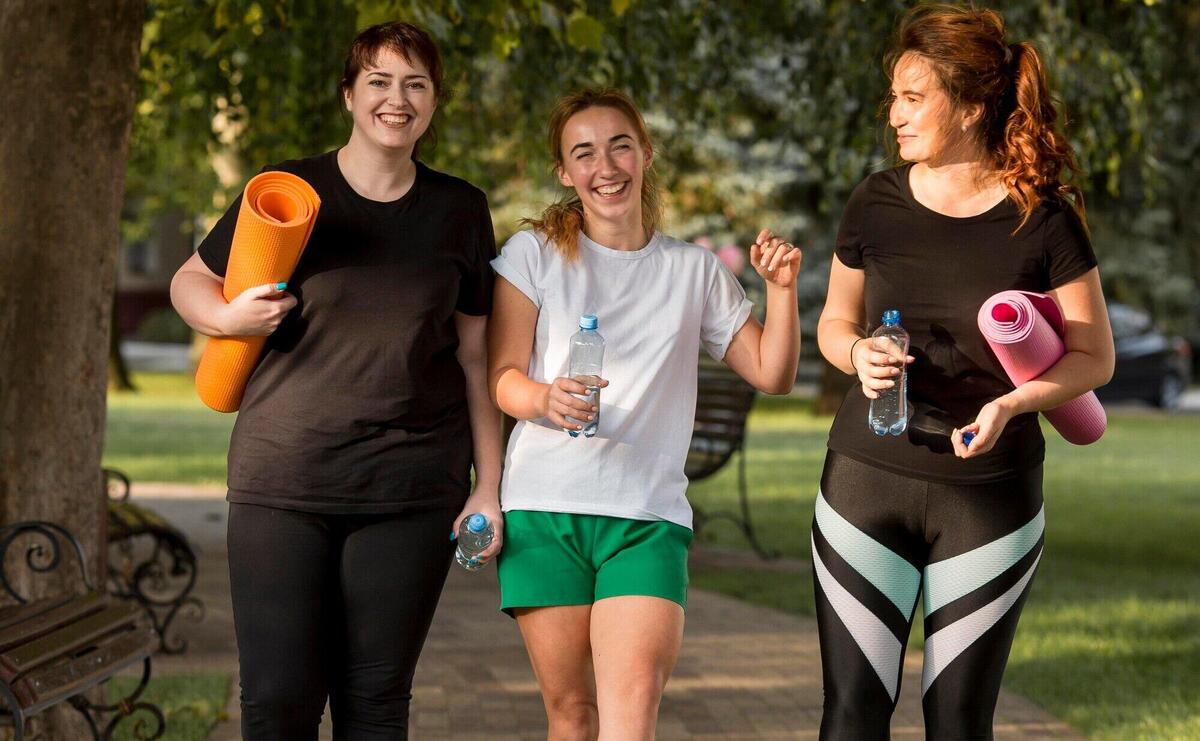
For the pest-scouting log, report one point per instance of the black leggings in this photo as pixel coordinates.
(332, 606)
(877, 539)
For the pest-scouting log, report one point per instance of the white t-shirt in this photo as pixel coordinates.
(656, 307)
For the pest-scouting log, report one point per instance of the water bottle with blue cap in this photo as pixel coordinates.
(587, 360)
(475, 534)
(889, 411)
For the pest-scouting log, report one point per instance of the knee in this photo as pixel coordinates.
(280, 703)
(962, 716)
(642, 690)
(572, 716)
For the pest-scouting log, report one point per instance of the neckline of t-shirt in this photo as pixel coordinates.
(600, 249)
(383, 206)
(906, 190)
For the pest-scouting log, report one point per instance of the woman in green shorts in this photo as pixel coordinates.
(594, 566)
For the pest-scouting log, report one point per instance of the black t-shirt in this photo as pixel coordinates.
(358, 403)
(938, 270)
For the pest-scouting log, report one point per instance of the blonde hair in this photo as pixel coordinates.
(562, 221)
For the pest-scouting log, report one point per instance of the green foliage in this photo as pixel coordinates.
(192, 704)
(765, 112)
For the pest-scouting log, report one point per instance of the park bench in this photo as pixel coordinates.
(150, 562)
(723, 402)
(57, 648)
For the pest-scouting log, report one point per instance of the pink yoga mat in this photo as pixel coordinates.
(1025, 331)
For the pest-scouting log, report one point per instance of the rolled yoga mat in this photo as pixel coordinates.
(1025, 331)
(273, 226)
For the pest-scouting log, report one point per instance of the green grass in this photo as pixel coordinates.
(1110, 637)
(164, 433)
(1109, 640)
(192, 704)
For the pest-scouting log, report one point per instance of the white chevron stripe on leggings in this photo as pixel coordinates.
(877, 642)
(944, 646)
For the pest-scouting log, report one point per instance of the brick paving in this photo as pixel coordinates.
(745, 672)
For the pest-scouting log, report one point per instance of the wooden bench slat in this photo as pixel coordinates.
(51, 615)
(12, 614)
(67, 639)
(56, 681)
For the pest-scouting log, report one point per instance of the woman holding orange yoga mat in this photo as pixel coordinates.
(350, 462)
(980, 205)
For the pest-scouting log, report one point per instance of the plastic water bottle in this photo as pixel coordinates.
(474, 536)
(889, 412)
(587, 359)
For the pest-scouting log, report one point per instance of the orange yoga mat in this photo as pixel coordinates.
(273, 226)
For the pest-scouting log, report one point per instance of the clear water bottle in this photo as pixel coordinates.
(889, 412)
(474, 536)
(587, 359)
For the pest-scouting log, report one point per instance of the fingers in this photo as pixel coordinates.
(976, 446)
(266, 290)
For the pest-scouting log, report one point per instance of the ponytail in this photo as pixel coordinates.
(1034, 155)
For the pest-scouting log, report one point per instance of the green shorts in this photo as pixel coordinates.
(555, 558)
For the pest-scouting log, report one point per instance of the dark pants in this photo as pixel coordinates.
(332, 606)
(879, 539)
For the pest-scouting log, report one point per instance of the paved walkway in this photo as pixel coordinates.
(745, 672)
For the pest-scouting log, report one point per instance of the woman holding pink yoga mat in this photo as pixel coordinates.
(980, 205)
(350, 462)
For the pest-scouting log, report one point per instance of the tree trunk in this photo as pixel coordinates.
(118, 372)
(69, 71)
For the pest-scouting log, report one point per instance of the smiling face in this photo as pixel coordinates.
(392, 102)
(604, 160)
(927, 124)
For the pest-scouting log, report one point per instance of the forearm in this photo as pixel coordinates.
(199, 301)
(518, 396)
(779, 345)
(485, 427)
(835, 338)
(1074, 374)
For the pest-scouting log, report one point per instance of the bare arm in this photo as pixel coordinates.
(767, 356)
(843, 324)
(510, 344)
(196, 293)
(485, 429)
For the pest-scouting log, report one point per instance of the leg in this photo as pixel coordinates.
(637, 621)
(635, 644)
(988, 542)
(281, 584)
(867, 547)
(559, 646)
(391, 574)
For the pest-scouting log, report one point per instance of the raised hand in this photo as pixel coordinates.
(775, 259)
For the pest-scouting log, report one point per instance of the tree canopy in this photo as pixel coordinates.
(765, 112)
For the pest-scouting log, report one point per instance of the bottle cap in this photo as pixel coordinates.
(891, 317)
(967, 438)
(477, 523)
(588, 321)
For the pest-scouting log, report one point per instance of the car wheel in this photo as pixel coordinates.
(1170, 393)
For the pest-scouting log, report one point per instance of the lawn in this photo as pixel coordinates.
(1109, 640)
(192, 704)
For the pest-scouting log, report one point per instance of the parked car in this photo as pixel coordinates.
(1151, 366)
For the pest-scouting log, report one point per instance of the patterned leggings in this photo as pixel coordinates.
(877, 538)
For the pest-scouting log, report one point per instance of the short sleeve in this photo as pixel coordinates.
(517, 264)
(214, 249)
(475, 286)
(726, 309)
(1068, 250)
(848, 246)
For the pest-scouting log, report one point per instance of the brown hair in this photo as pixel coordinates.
(561, 222)
(410, 42)
(975, 64)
